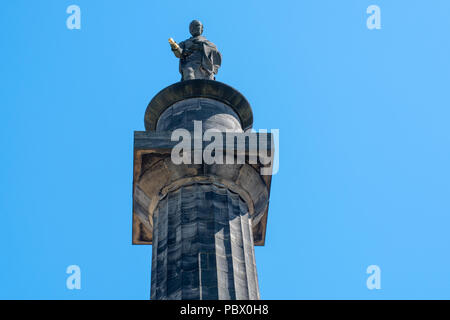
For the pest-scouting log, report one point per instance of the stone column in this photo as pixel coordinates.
(202, 220)
(203, 247)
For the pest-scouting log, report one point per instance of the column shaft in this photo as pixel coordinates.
(203, 246)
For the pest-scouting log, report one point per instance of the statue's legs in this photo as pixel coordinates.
(196, 72)
(188, 73)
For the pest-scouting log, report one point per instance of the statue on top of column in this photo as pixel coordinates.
(199, 58)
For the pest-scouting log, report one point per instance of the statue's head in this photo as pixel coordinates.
(196, 28)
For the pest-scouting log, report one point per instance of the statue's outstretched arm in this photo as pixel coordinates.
(177, 51)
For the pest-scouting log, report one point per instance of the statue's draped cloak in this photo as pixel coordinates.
(209, 59)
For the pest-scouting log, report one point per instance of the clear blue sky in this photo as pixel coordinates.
(364, 153)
